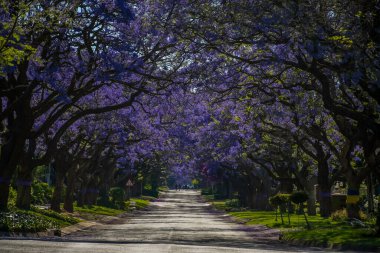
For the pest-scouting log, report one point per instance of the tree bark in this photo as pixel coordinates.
(69, 196)
(324, 185)
(24, 188)
(58, 190)
(25, 177)
(311, 206)
(353, 208)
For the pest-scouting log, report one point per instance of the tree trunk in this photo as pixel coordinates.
(325, 201)
(311, 207)
(371, 204)
(353, 207)
(9, 158)
(69, 199)
(80, 200)
(58, 190)
(24, 186)
(324, 186)
(70, 188)
(25, 177)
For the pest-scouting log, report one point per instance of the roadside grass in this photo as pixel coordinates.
(209, 198)
(324, 231)
(98, 210)
(62, 219)
(139, 203)
(219, 205)
(39, 220)
(342, 235)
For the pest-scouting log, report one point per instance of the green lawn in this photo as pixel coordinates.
(36, 220)
(140, 203)
(219, 205)
(61, 219)
(342, 235)
(324, 231)
(98, 210)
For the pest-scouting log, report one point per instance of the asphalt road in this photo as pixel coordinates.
(179, 222)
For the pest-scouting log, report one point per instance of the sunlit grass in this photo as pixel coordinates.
(98, 210)
(323, 232)
(140, 203)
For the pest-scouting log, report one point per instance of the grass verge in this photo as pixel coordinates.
(39, 220)
(324, 232)
(34, 220)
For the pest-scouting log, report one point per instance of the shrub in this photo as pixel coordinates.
(233, 203)
(104, 199)
(298, 197)
(275, 201)
(218, 196)
(280, 201)
(41, 193)
(341, 215)
(117, 195)
(12, 197)
(22, 221)
(150, 191)
(206, 191)
(150, 198)
(163, 189)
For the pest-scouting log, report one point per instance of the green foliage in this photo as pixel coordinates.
(148, 190)
(206, 191)
(149, 198)
(275, 201)
(298, 197)
(208, 197)
(147, 187)
(324, 232)
(12, 197)
(341, 215)
(23, 221)
(284, 198)
(139, 203)
(104, 200)
(163, 189)
(220, 205)
(41, 193)
(117, 195)
(279, 199)
(233, 203)
(58, 216)
(195, 182)
(343, 237)
(98, 210)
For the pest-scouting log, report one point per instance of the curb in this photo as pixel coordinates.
(48, 233)
(76, 227)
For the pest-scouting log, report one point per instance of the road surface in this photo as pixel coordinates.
(179, 222)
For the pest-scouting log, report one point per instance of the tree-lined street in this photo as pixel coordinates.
(179, 222)
(270, 108)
